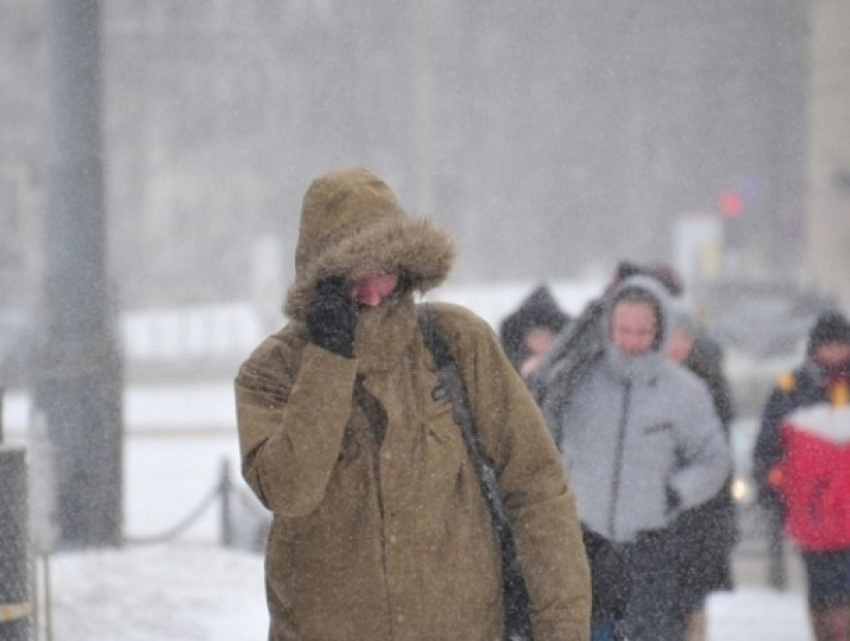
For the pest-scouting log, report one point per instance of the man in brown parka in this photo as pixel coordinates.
(380, 528)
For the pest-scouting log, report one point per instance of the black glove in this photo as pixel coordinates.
(331, 317)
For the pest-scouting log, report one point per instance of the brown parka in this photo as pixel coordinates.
(380, 530)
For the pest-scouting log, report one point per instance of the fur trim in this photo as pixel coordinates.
(404, 244)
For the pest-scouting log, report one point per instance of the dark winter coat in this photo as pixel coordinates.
(539, 309)
(708, 532)
(380, 529)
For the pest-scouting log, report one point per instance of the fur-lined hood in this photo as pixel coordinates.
(351, 223)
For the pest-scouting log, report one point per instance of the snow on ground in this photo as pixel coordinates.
(200, 592)
(758, 615)
(175, 592)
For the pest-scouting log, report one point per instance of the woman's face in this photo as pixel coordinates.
(633, 327)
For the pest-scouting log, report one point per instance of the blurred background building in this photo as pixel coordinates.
(550, 138)
(828, 153)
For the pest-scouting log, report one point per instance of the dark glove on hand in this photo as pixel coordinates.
(331, 317)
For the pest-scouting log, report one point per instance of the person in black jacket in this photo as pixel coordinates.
(707, 533)
(527, 333)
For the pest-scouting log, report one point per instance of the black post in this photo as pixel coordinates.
(78, 372)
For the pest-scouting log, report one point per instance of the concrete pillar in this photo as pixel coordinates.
(78, 376)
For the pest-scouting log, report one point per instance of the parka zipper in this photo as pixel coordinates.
(618, 457)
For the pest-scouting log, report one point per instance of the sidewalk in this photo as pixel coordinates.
(751, 571)
(755, 610)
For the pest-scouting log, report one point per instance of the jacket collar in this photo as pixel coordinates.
(632, 369)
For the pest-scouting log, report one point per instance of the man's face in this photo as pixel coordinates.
(373, 288)
(633, 327)
(833, 355)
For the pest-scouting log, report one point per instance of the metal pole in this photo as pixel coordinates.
(77, 377)
(48, 601)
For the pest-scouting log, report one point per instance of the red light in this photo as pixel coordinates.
(731, 204)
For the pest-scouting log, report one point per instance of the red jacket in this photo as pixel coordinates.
(803, 455)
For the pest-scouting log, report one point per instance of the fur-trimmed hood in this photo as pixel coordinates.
(351, 223)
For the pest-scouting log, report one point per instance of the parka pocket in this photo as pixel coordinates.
(444, 448)
(440, 423)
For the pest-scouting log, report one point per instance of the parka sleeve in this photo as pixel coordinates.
(537, 498)
(703, 449)
(291, 427)
(768, 450)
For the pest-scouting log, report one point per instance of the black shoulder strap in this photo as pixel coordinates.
(448, 372)
(517, 611)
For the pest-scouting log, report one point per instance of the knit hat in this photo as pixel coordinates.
(830, 327)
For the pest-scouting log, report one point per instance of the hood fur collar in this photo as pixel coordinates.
(352, 223)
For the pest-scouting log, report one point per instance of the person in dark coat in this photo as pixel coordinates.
(707, 533)
(527, 333)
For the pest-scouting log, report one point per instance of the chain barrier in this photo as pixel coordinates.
(241, 528)
(181, 526)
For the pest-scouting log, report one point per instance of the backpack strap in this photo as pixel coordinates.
(448, 372)
(515, 593)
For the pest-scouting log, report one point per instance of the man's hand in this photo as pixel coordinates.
(331, 317)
